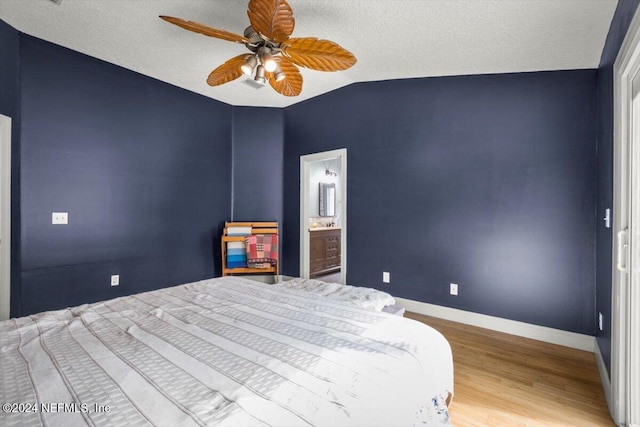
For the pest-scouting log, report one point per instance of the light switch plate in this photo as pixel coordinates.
(59, 217)
(115, 280)
(453, 288)
(386, 277)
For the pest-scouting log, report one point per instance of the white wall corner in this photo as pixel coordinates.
(513, 327)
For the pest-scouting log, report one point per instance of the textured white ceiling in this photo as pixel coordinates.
(392, 39)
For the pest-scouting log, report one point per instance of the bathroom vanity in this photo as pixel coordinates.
(324, 243)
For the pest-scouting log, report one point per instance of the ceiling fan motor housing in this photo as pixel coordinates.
(257, 41)
(252, 35)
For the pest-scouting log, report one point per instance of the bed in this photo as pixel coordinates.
(227, 352)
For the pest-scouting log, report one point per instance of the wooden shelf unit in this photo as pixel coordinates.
(256, 228)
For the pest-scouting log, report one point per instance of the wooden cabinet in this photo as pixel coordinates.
(324, 251)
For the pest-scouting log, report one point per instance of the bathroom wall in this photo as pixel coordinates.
(317, 175)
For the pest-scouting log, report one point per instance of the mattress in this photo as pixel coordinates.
(225, 352)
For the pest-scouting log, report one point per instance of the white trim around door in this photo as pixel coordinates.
(5, 216)
(305, 168)
(625, 340)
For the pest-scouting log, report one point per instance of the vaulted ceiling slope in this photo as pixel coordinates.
(391, 39)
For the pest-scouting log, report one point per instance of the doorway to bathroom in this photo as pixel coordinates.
(323, 216)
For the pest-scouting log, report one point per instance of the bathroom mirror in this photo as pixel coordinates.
(327, 199)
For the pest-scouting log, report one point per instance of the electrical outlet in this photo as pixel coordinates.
(453, 288)
(386, 277)
(59, 218)
(115, 280)
(600, 321)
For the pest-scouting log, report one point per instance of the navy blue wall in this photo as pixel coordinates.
(617, 31)
(10, 106)
(258, 144)
(486, 181)
(142, 167)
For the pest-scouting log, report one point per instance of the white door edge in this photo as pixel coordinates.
(625, 375)
(5, 217)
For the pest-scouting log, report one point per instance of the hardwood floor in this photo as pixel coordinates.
(506, 380)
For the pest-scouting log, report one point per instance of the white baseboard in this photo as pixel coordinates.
(604, 375)
(527, 330)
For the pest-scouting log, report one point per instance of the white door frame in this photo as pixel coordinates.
(5, 216)
(625, 337)
(305, 168)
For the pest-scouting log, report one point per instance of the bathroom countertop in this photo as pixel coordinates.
(323, 228)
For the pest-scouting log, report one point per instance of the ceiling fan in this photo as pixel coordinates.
(274, 55)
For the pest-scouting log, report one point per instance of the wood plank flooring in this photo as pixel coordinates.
(506, 380)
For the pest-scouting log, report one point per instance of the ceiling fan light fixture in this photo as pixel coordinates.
(269, 63)
(249, 65)
(260, 74)
(266, 59)
(278, 74)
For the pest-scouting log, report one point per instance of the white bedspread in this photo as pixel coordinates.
(368, 298)
(225, 352)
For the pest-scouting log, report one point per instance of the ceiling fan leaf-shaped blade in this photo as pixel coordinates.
(271, 18)
(196, 27)
(291, 85)
(321, 55)
(228, 71)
